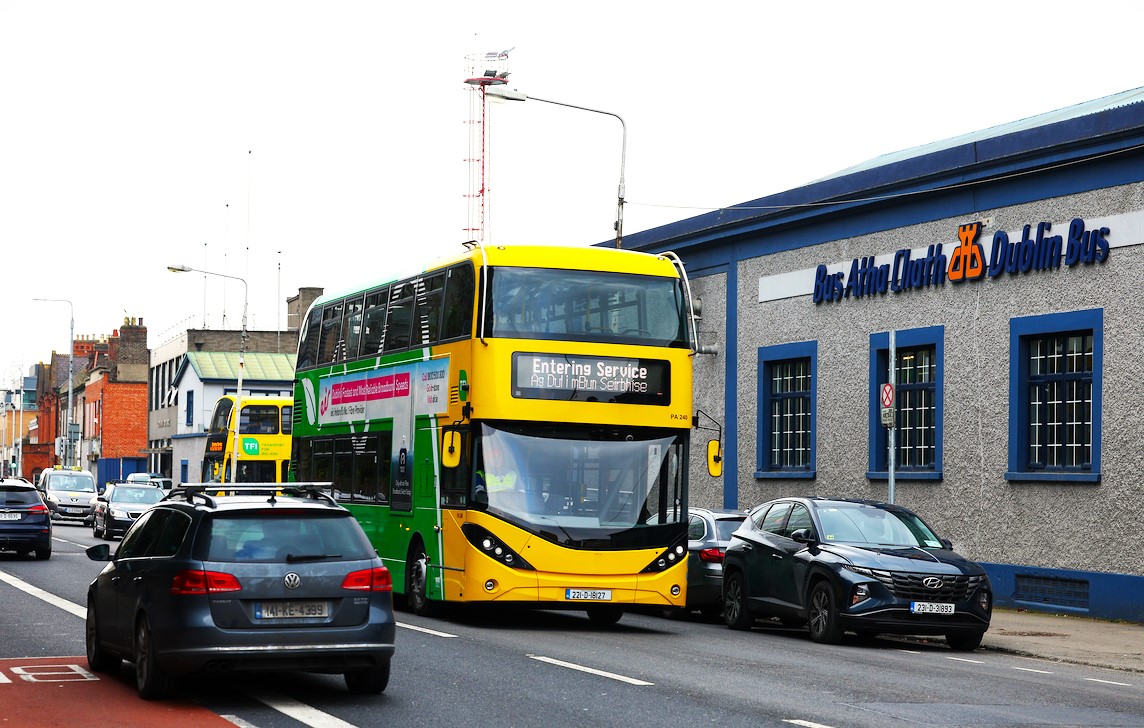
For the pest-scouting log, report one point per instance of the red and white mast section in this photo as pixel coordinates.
(483, 70)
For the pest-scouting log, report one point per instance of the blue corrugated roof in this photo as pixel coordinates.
(1095, 106)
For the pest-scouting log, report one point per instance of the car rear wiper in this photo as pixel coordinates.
(311, 557)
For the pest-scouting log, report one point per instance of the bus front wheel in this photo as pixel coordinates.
(605, 614)
(417, 582)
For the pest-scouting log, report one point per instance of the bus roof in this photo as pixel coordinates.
(539, 256)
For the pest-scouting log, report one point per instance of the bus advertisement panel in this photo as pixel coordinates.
(512, 425)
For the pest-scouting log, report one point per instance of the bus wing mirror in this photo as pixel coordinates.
(714, 458)
(451, 449)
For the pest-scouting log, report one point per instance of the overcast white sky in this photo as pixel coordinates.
(325, 143)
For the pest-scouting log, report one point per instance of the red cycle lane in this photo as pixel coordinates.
(38, 692)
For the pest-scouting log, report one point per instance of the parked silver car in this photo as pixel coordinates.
(708, 534)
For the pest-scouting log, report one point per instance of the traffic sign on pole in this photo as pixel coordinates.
(887, 398)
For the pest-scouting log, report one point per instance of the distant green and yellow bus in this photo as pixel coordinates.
(511, 425)
(263, 440)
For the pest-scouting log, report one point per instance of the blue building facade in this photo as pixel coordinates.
(1005, 266)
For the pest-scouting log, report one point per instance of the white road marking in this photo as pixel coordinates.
(1109, 682)
(591, 670)
(298, 711)
(48, 597)
(806, 723)
(426, 630)
(966, 659)
(1029, 669)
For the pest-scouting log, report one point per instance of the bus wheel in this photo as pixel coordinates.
(605, 615)
(416, 582)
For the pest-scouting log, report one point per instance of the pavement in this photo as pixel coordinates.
(1067, 638)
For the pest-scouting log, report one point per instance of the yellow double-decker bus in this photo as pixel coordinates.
(263, 440)
(510, 425)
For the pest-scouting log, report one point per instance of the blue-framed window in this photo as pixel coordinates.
(1055, 373)
(190, 411)
(919, 403)
(788, 383)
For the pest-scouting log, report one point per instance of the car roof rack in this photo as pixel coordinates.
(208, 493)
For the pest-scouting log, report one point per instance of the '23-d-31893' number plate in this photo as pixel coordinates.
(931, 608)
(588, 595)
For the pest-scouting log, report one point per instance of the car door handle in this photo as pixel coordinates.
(777, 556)
(138, 578)
(748, 547)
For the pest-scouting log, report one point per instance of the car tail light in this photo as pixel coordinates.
(376, 579)
(197, 581)
(711, 556)
(39, 508)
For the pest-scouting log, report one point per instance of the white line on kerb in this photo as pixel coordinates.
(1109, 682)
(591, 670)
(426, 630)
(298, 711)
(48, 597)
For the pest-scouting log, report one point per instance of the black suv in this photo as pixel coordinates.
(261, 578)
(857, 565)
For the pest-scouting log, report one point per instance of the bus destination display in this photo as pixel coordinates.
(591, 379)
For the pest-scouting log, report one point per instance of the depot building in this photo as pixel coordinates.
(1004, 269)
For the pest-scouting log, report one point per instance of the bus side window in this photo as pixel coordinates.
(399, 322)
(331, 330)
(455, 481)
(430, 297)
(459, 292)
(308, 345)
(351, 328)
(373, 322)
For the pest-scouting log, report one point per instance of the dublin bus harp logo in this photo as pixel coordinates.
(968, 260)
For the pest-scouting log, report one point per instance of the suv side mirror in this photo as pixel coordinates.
(99, 552)
(803, 535)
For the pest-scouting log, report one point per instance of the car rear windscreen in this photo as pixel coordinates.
(275, 536)
(10, 496)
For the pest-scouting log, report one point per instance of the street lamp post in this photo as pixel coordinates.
(68, 455)
(241, 361)
(500, 92)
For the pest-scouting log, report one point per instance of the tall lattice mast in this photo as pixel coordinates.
(484, 70)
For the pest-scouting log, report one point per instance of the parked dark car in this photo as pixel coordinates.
(708, 534)
(120, 505)
(68, 493)
(269, 578)
(850, 565)
(25, 523)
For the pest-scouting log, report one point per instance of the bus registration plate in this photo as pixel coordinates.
(286, 610)
(588, 595)
(931, 608)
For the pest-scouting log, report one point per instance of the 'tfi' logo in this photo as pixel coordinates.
(250, 446)
(968, 260)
